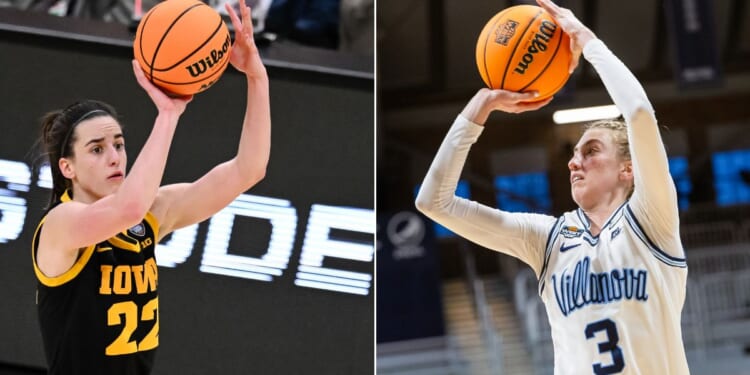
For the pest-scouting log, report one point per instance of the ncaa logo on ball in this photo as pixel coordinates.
(505, 32)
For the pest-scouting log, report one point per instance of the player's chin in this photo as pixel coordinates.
(112, 186)
(578, 195)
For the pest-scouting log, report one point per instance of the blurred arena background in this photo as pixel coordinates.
(447, 306)
(279, 282)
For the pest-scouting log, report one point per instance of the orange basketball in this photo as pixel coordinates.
(523, 49)
(183, 46)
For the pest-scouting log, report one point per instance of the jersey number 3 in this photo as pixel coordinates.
(123, 344)
(609, 327)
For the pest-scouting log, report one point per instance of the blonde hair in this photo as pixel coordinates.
(619, 136)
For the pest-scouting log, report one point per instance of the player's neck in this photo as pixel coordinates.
(599, 215)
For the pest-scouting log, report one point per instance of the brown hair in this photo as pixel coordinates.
(58, 136)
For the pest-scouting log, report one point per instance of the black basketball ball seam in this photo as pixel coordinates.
(158, 46)
(510, 58)
(143, 30)
(218, 28)
(486, 69)
(559, 42)
(197, 81)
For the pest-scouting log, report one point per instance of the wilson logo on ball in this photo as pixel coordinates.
(182, 46)
(538, 44)
(505, 32)
(215, 56)
(522, 49)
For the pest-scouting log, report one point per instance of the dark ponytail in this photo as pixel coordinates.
(59, 135)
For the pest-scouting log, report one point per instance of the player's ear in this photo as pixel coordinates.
(626, 170)
(66, 168)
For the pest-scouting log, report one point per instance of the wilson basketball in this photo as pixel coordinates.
(522, 49)
(183, 46)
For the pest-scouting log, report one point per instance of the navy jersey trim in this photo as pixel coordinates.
(593, 241)
(587, 224)
(583, 218)
(548, 250)
(655, 250)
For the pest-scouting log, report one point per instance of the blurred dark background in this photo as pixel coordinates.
(692, 57)
(306, 309)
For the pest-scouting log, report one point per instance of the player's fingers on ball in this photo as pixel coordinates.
(243, 10)
(523, 96)
(524, 107)
(140, 77)
(529, 95)
(233, 16)
(504, 97)
(137, 69)
(575, 59)
(549, 6)
(249, 23)
(565, 12)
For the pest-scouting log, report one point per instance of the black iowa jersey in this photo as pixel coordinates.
(102, 315)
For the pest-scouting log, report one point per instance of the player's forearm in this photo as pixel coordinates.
(440, 183)
(653, 184)
(255, 141)
(622, 86)
(138, 191)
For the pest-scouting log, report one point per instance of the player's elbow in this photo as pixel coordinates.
(132, 212)
(248, 172)
(425, 204)
(421, 204)
(256, 176)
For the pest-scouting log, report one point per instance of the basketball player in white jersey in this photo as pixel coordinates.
(612, 274)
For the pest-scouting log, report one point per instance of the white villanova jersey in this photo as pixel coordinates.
(613, 300)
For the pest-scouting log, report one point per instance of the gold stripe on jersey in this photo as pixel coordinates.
(125, 242)
(153, 223)
(66, 276)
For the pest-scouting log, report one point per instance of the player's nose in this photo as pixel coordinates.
(574, 163)
(113, 157)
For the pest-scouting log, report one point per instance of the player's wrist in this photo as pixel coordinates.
(478, 109)
(583, 36)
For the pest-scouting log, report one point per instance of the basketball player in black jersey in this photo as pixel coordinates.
(93, 252)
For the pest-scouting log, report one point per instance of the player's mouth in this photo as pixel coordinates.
(115, 176)
(575, 178)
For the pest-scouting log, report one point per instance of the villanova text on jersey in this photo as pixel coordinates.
(583, 287)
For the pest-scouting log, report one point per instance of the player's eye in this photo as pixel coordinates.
(97, 149)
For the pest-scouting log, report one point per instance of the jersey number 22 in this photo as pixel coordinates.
(129, 310)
